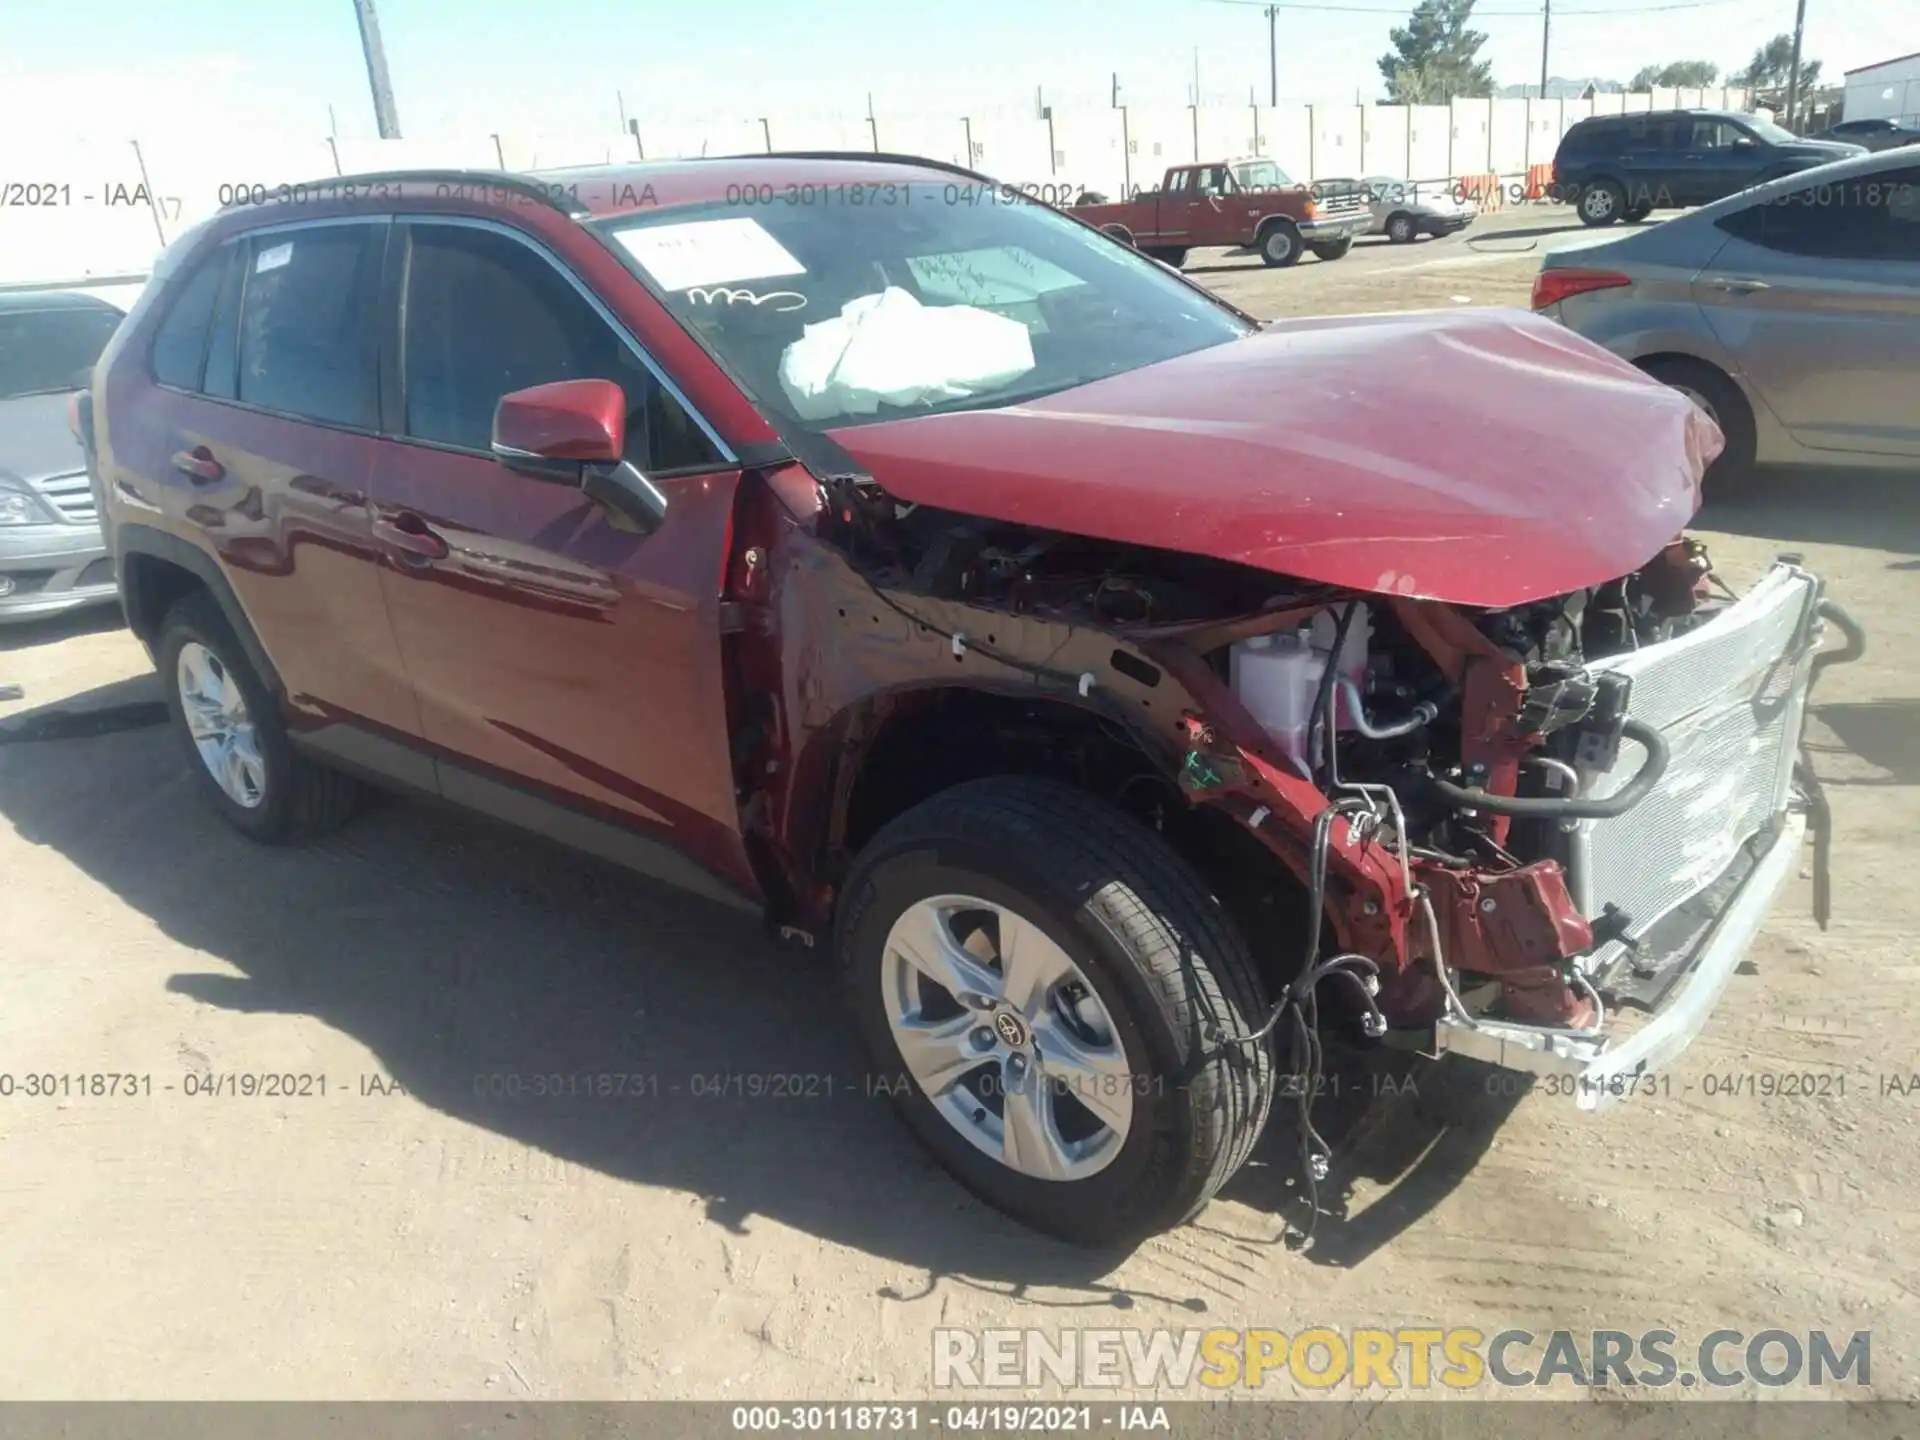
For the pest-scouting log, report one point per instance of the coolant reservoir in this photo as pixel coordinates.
(1277, 677)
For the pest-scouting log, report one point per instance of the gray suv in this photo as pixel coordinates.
(52, 556)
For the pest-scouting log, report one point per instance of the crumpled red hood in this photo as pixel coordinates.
(1483, 457)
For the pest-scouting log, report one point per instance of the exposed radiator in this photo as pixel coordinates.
(1730, 699)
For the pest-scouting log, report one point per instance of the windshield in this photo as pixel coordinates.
(43, 351)
(858, 303)
(1768, 131)
(1261, 175)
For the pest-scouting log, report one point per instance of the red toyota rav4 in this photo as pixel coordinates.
(1121, 689)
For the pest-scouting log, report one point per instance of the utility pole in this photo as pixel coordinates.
(1546, 30)
(383, 111)
(1793, 69)
(1116, 89)
(1273, 55)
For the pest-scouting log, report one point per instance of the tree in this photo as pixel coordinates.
(1771, 63)
(1434, 56)
(1682, 74)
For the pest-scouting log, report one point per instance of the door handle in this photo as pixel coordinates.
(199, 465)
(1738, 286)
(409, 535)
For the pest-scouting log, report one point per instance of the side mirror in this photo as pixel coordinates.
(551, 431)
(574, 432)
(1745, 142)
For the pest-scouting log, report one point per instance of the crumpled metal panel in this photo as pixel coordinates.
(1730, 699)
(1482, 457)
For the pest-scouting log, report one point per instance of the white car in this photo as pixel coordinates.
(1404, 210)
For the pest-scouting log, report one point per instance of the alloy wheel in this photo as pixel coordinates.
(223, 732)
(1005, 1035)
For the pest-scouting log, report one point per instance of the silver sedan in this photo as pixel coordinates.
(1789, 312)
(1404, 210)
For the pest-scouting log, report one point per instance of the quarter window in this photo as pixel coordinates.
(180, 344)
(486, 315)
(306, 323)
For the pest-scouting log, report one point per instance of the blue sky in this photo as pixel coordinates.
(117, 67)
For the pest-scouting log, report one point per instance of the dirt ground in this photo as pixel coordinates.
(407, 1235)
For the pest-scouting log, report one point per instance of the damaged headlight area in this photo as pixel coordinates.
(1514, 826)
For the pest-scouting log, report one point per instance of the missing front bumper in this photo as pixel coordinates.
(1604, 1069)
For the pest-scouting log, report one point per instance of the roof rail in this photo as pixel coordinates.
(886, 155)
(507, 180)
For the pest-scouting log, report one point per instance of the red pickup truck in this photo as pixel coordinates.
(1249, 204)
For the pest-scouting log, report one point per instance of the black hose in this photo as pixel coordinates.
(1547, 807)
(1856, 645)
(1323, 708)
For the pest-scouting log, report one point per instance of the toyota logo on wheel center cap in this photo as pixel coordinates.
(1010, 1028)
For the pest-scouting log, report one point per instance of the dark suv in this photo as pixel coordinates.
(1623, 167)
(855, 541)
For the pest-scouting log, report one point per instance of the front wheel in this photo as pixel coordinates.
(1334, 249)
(1280, 245)
(1601, 203)
(1401, 229)
(1049, 995)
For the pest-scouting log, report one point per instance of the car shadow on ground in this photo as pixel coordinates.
(481, 966)
(1404, 1129)
(94, 620)
(1802, 505)
(1884, 733)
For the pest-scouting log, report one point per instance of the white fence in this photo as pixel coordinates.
(94, 214)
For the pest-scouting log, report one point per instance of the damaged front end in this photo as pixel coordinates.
(1541, 834)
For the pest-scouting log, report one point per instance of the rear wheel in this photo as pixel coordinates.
(1280, 245)
(1334, 249)
(1174, 255)
(1714, 393)
(1601, 203)
(1044, 988)
(231, 729)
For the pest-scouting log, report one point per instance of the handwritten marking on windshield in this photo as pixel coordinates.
(725, 295)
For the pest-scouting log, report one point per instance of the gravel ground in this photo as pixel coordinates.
(407, 1235)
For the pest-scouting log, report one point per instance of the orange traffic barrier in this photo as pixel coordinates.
(1539, 181)
(1483, 190)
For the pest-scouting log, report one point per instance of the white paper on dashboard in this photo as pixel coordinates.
(709, 252)
(273, 259)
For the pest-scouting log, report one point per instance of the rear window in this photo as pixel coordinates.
(43, 351)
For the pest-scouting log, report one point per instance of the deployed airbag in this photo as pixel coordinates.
(889, 349)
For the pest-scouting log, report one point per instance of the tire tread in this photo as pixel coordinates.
(1158, 899)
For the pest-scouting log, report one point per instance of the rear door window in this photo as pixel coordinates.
(1652, 134)
(307, 332)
